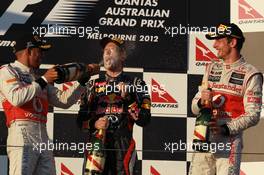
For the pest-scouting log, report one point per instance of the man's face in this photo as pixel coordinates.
(223, 47)
(35, 56)
(112, 57)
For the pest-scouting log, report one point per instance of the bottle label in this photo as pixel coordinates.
(95, 163)
(70, 72)
(201, 122)
(200, 132)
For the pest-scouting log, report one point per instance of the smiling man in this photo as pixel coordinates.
(236, 99)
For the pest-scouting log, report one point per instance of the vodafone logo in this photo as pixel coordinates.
(65, 170)
(246, 11)
(161, 96)
(153, 171)
(203, 54)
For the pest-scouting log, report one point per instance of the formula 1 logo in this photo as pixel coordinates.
(65, 170)
(15, 14)
(246, 11)
(63, 13)
(7, 43)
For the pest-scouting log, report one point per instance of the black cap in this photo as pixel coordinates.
(226, 30)
(31, 41)
(118, 41)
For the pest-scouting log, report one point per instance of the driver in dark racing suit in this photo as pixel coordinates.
(115, 102)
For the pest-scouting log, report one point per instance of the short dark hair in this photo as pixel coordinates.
(30, 41)
(118, 41)
(239, 44)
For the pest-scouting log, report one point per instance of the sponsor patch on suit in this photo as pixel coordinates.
(214, 78)
(237, 78)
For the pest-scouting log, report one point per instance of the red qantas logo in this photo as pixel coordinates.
(66, 86)
(65, 170)
(203, 53)
(159, 94)
(153, 171)
(246, 11)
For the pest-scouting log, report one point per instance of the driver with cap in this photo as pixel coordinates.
(25, 97)
(236, 99)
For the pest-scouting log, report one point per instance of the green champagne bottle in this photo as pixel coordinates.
(201, 131)
(96, 157)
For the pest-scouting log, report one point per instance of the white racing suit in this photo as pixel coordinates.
(237, 100)
(25, 104)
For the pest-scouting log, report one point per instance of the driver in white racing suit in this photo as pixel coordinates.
(237, 99)
(25, 97)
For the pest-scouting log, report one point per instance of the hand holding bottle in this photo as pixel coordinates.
(51, 75)
(102, 123)
(134, 111)
(206, 93)
(206, 96)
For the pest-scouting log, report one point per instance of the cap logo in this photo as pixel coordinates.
(37, 38)
(222, 28)
(47, 46)
(118, 40)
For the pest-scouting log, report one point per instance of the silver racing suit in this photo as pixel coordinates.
(25, 103)
(237, 101)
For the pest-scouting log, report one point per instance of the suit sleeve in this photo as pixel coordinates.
(143, 102)
(196, 100)
(65, 99)
(252, 104)
(86, 115)
(15, 91)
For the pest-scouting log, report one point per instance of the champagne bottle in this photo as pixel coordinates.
(96, 156)
(73, 71)
(201, 131)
